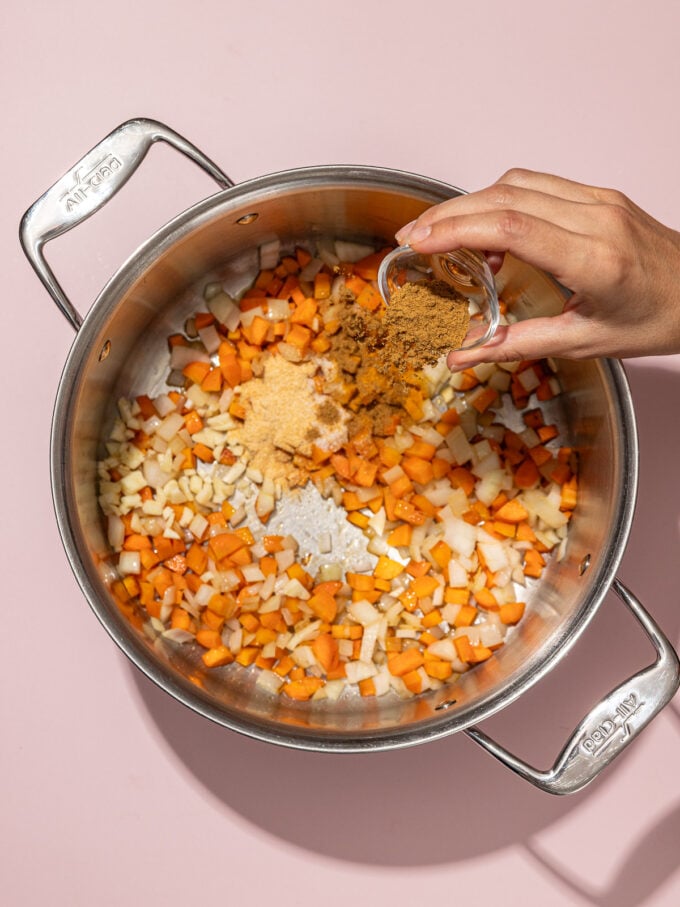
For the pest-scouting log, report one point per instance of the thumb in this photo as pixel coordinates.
(559, 335)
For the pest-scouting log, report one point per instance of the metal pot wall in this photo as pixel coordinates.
(120, 349)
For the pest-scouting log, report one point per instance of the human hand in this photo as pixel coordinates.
(622, 266)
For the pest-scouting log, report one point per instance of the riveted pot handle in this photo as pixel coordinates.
(88, 185)
(612, 724)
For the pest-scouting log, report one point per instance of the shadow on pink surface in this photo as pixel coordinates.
(448, 801)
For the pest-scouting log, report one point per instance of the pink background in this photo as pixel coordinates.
(111, 792)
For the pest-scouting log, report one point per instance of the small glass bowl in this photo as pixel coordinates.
(466, 271)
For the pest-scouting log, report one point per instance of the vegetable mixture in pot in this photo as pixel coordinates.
(289, 392)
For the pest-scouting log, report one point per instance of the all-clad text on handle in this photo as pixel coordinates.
(612, 724)
(90, 184)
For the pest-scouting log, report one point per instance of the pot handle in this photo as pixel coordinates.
(88, 185)
(611, 724)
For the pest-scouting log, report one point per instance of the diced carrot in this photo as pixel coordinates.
(136, 542)
(441, 670)
(465, 617)
(305, 312)
(364, 475)
(347, 631)
(368, 267)
(303, 256)
(512, 511)
(247, 655)
(323, 605)
(453, 596)
(229, 364)
(212, 381)
(367, 687)
(209, 639)
(355, 284)
(526, 475)
(569, 494)
(463, 478)
(418, 469)
(386, 568)
(291, 265)
(401, 535)
(540, 454)
(401, 663)
(413, 681)
(272, 543)
(511, 612)
(480, 653)
(404, 510)
(225, 544)
(463, 648)
(362, 582)
(486, 599)
(424, 505)
(424, 586)
(196, 371)
(299, 336)
(218, 656)
(285, 666)
(483, 400)
(401, 486)
(193, 422)
(322, 285)
(302, 689)
(203, 453)
(177, 563)
(432, 618)
(325, 649)
(533, 563)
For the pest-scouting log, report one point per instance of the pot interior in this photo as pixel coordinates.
(121, 350)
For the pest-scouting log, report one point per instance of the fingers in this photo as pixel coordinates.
(557, 186)
(572, 215)
(538, 242)
(561, 336)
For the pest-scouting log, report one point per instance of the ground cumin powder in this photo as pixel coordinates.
(423, 321)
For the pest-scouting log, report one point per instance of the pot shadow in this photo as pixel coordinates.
(447, 801)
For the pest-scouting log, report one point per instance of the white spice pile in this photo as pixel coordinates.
(285, 417)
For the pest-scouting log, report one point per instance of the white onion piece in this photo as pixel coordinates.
(115, 529)
(311, 269)
(459, 535)
(356, 671)
(269, 254)
(181, 356)
(164, 405)
(278, 309)
(170, 426)
(177, 635)
(352, 251)
(225, 310)
(129, 562)
(210, 338)
(250, 315)
(458, 444)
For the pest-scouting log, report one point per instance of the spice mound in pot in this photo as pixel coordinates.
(309, 379)
(423, 321)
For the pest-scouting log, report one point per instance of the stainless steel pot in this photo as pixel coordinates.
(120, 348)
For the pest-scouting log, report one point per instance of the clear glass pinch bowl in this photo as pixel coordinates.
(466, 271)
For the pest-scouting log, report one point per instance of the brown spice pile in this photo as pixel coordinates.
(374, 393)
(423, 321)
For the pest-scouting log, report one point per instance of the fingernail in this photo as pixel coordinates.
(454, 366)
(419, 233)
(400, 235)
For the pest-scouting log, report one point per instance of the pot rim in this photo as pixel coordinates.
(297, 737)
